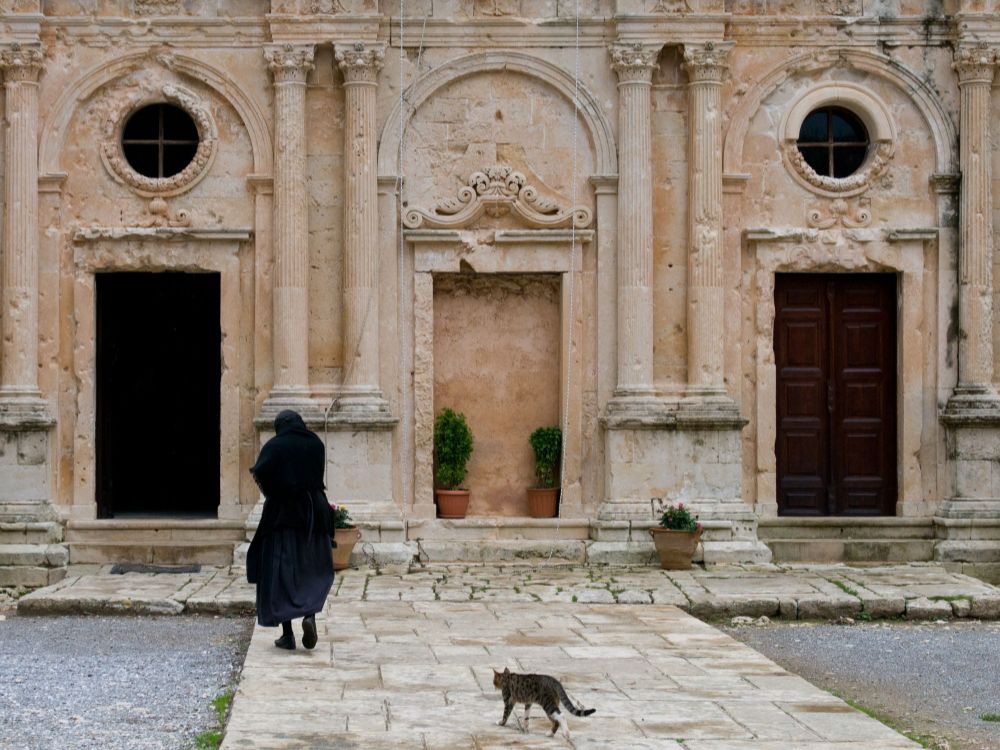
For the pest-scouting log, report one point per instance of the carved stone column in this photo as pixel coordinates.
(705, 65)
(360, 64)
(290, 64)
(19, 393)
(634, 65)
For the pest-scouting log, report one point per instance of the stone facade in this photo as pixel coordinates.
(637, 157)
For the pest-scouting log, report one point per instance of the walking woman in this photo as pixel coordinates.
(289, 558)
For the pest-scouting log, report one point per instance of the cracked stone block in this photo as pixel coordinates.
(927, 609)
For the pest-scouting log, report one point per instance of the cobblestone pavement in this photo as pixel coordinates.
(417, 674)
(915, 591)
(114, 683)
(928, 678)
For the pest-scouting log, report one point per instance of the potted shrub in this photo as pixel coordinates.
(452, 449)
(543, 500)
(676, 538)
(345, 536)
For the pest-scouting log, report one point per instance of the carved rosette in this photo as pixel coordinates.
(290, 63)
(360, 63)
(634, 63)
(975, 64)
(880, 154)
(208, 141)
(841, 212)
(20, 63)
(708, 62)
(497, 191)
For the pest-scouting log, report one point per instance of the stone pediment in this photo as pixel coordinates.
(497, 191)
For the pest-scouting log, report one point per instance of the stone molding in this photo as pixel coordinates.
(634, 63)
(497, 191)
(708, 62)
(113, 157)
(360, 62)
(290, 63)
(976, 64)
(21, 63)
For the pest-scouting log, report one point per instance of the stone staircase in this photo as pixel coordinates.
(32, 553)
(154, 541)
(839, 539)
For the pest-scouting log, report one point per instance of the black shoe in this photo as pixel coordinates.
(287, 641)
(309, 631)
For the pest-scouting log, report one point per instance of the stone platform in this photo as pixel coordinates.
(806, 592)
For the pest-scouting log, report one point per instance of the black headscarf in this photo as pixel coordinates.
(292, 460)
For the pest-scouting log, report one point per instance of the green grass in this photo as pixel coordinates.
(989, 717)
(920, 739)
(212, 738)
(844, 587)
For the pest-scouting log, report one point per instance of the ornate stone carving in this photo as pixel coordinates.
(841, 212)
(706, 62)
(290, 62)
(360, 63)
(875, 166)
(20, 63)
(671, 6)
(160, 215)
(158, 7)
(121, 170)
(976, 63)
(634, 62)
(329, 7)
(496, 191)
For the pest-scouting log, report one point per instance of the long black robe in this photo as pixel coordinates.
(289, 557)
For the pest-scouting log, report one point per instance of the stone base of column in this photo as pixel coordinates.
(296, 399)
(364, 402)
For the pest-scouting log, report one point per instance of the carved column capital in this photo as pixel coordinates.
(975, 63)
(20, 63)
(290, 63)
(360, 62)
(634, 63)
(707, 62)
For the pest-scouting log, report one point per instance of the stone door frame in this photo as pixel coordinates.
(496, 251)
(859, 251)
(153, 250)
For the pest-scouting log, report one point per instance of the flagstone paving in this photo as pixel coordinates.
(418, 674)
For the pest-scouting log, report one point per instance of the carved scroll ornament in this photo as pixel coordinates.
(497, 191)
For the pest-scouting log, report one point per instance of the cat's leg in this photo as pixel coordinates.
(527, 715)
(562, 723)
(507, 708)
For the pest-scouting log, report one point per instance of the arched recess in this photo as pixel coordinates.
(424, 88)
(54, 130)
(926, 101)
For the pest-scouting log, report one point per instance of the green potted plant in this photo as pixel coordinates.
(543, 500)
(676, 537)
(452, 450)
(345, 536)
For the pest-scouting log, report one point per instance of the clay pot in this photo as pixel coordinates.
(675, 548)
(452, 503)
(543, 502)
(345, 539)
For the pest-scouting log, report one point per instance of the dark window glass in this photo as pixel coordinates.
(159, 140)
(833, 141)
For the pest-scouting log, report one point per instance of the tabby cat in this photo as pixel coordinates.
(546, 691)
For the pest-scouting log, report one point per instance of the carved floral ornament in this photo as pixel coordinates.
(497, 191)
(208, 140)
(21, 63)
(976, 63)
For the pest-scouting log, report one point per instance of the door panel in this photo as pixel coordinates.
(835, 350)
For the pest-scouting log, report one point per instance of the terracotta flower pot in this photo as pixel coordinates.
(543, 501)
(345, 539)
(675, 548)
(452, 503)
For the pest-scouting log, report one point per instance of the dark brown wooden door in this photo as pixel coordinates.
(835, 352)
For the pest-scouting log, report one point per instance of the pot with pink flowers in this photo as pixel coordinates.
(676, 537)
(345, 536)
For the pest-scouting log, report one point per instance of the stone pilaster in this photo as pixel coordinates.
(360, 64)
(634, 65)
(289, 65)
(705, 65)
(20, 397)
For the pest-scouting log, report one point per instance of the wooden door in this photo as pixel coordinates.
(835, 354)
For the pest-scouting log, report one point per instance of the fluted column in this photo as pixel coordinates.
(975, 66)
(21, 66)
(290, 64)
(705, 65)
(360, 64)
(634, 65)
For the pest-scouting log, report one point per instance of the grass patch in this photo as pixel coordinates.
(959, 598)
(920, 739)
(212, 738)
(989, 717)
(844, 587)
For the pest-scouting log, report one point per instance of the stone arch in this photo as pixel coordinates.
(427, 85)
(54, 131)
(925, 99)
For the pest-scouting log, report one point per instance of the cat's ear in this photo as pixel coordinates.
(506, 670)
(495, 672)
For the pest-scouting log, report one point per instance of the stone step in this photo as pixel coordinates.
(534, 552)
(498, 528)
(38, 532)
(155, 531)
(851, 550)
(34, 555)
(840, 528)
(168, 553)
(30, 576)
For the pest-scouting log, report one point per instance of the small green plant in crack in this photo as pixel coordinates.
(212, 738)
(920, 739)
(989, 717)
(574, 598)
(959, 598)
(844, 587)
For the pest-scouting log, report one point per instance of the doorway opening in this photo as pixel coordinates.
(159, 369)
(835, 356)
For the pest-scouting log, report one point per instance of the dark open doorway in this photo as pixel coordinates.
(158, 373)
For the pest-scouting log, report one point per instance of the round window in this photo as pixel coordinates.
(159, 140)
(833, 141)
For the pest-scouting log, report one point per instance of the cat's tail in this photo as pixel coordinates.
(576, 711)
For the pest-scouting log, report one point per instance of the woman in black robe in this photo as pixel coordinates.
(289, 558)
